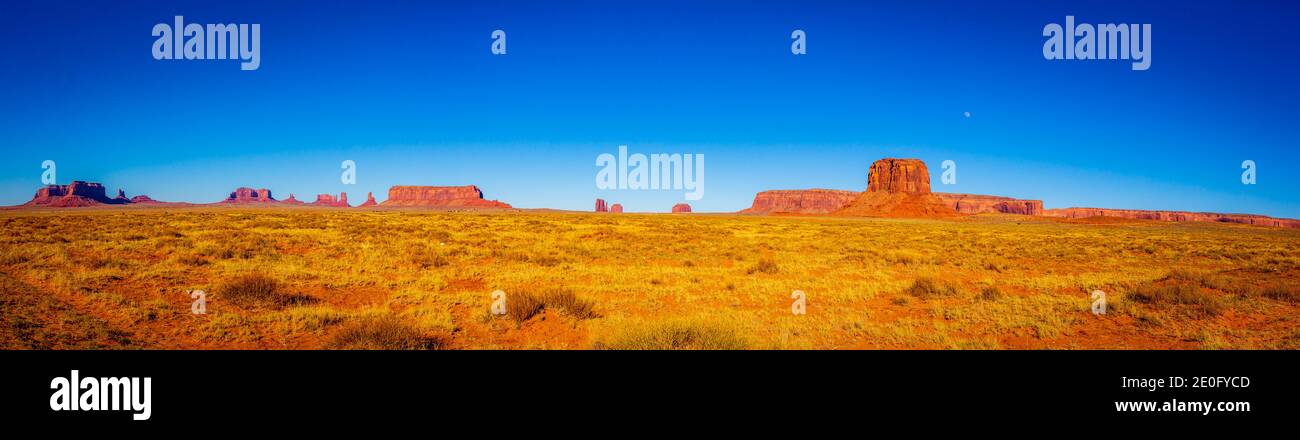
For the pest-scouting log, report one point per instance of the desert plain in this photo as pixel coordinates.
(327, 278)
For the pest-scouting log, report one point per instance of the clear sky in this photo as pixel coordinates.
(413, 94)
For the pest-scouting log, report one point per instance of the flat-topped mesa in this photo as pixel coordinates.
(801, 201)
(898, 176)
(468, 196)
(370, 201)
(681, 208)
(616, 208)
(981, 204)
(250, 195)
(1173, 216)
(329, 200)
(75, 194)
(600, 206)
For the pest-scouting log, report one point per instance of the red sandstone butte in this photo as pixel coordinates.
(370, 201)
(75, 194)
(616, 208)
(600, 206)
(898, 188)
(1173, 216)
(292, 200)
(440, 197)
(330, 200)
(682, 207)
(250, 195)
(801, 201)
(980, 204)
(898, 176)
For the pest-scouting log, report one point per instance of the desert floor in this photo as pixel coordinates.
(304, 278)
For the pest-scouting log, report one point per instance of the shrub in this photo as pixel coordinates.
(523, 306)
(990, 293)
(1289, 294)
(382, 333)
(928, 288)
(765, 266)
(1189, 297)
(678, 335)
(252, 290)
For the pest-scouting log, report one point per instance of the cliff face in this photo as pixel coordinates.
(807, 201)
(1173, 216)
(600, 206)
(898, 176)
(440, 197)
(682, 208)
(980, 204)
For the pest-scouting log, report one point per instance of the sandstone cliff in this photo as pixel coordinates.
(440, 197)
(805, 201)
(1173, 216)
(980, 204)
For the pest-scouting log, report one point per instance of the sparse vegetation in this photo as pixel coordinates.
(322, 278)
(928, 288)
(382, 333)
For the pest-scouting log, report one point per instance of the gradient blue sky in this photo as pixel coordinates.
(411, 92)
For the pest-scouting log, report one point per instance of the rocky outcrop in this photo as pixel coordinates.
(682, 207)
(898, 188)
(1172, 216)
(616, 208)
(370, 201)
(329, 200)
(292, 200)
(75, 194)
(600, 206)
(440, 197)
(981, 204)
(898, 176)
(805, 201)
(142, 199)
(250, 195)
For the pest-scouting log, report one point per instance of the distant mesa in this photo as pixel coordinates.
(439, 197)
(292, 200)
(978, 204)
(616, 208)
(370, 201)
(250, 195)
(682, 207)
(801, 201)
(76, 194)
(329, 200)
(600, 206)
(1172, 216)
(142, 199)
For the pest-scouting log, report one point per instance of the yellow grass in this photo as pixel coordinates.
(323, 278)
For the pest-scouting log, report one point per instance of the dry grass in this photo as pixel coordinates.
(322, 278)
(382, 333)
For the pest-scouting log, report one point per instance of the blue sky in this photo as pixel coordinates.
(412, 93)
